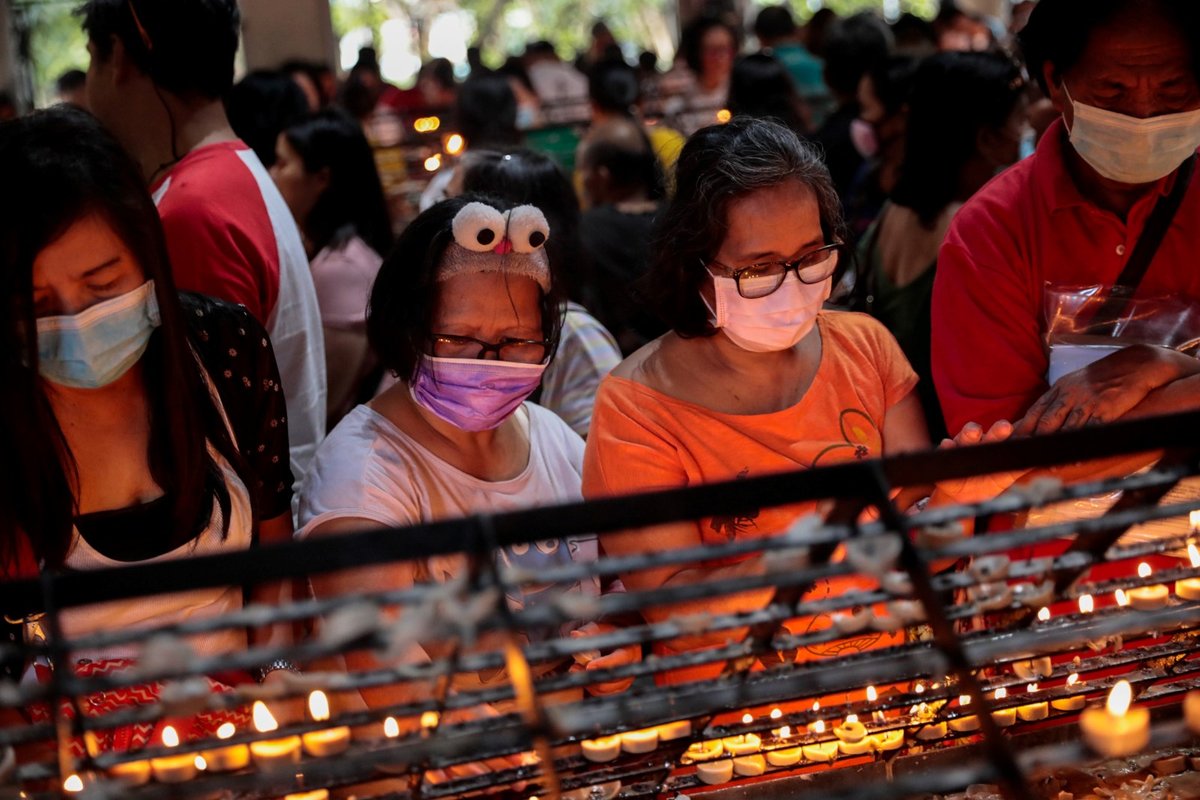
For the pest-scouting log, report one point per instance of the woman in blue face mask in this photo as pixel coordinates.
(137, 428)
(466, 313)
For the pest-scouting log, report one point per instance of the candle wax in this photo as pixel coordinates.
(643, 741)
(1117, 729)
(328, 742)
(606, 748)
(713, 772)
(276, 753)
(887, 741)
(750, 766)
(132, 773)
(821, 751)
(785, 757)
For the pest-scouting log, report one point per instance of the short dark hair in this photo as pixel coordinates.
(61, 166)
(186, 46)
(774, 22)
(692, 36)
(404, 297)
(719, 164)
(613, 86)
(761, 86)
(852, 46)
(629, 159)
(1058, 31)
(353, 203)
(70, 81)
(892, 81)
(440, 71)
(260, 106)
(485, 111)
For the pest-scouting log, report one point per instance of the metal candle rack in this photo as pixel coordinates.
(965, 627)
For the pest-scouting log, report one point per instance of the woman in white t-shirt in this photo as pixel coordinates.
(466, 314)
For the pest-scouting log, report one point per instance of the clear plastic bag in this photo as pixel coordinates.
(1076, 338)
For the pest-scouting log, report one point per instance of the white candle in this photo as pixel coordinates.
(671, 731)
(1004, 717)
(821, 752)
(704, 751)
(936, 730)
(231, 757)
(712, 772)
(965, 724)
(785, 756)
(1072, 702)
(272, 754)
(1032, 712)
(643, 741)
(743, 744)
(1189, 588)
(327, 742)
(1033, 669)
(851, 731)
(886, 741)
(1117, 729)
(750, 766)
(1148, 598)
(606, 748)
(173, 768)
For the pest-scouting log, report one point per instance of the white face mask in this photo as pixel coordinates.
(772, 323)
(1131, 150)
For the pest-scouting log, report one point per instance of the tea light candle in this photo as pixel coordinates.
(936, 730)
(821, 752)
(817, 727)
(704, 751)
(1032, 712)
(271, 754)
(1117, 729)
(327, 742)
(749, 766)
(1033, 669)
(643, 741)
(131, 773)
(315, 794)
(606, 748)
(743, 744)
(712, 772)
(671, 731)
(886, 741)
(964, 724)
(1148, 598)
(1072, 702)
(173, 768)
(1189, 588)
(851, 731)
(786, 756)
(1004, 717)
(1191, 710)
(230, 758)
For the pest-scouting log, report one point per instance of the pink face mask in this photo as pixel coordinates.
(473, 394)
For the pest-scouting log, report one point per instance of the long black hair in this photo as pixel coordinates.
(59, 167)
(353, 204)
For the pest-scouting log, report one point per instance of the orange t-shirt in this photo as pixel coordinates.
(642, 440)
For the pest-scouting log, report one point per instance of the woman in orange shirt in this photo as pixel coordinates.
(753, 378)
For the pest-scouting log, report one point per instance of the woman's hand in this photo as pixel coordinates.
(617, 658)
(982, 487)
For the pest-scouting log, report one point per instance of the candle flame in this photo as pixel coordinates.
(318, 706)
(1073, 679)
(819, 726)
(1044, 615)
(724, 115)
(776, 713)
(1194, 518)
(1001, 693)
(170, 737)
(433, 163)
(226, 731)
(872, 695)
(263, 721)
(816, 705)
(391, 728)
(201, 764)
(785, 732)
(1086, 604)
(1194, 554)
(1119, 698)
(430, 719)
(1144, 570)
(455, 144)
(1031, 688)
(1122, 598)
(851, 718)
(964, 699)
(73, 784)
(747, 718)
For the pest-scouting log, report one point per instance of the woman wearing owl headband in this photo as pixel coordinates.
(466, 312)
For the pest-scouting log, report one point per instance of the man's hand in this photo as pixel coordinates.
(1105, 390)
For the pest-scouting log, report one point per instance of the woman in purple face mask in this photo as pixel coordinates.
(466, 313)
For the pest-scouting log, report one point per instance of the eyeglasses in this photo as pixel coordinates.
(760, 280)
(522, 351)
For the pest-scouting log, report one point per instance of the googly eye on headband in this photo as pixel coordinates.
(487, 239)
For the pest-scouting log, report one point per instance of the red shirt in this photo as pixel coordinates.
(219, 232)
(1028, 227)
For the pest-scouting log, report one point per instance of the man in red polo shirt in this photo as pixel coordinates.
(1123, 75)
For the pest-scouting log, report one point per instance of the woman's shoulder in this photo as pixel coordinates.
(215, 324)
(553, 436)
(854, 329)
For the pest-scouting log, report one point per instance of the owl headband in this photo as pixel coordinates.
(489, 240)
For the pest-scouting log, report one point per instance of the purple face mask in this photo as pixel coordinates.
(471, 393)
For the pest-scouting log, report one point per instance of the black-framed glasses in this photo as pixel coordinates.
(760, 280)
(522, 351)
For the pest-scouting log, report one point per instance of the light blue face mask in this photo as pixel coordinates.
(93, 348)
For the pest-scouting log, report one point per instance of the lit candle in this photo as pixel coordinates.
(1072, 702)
(327, 742)
(231, 757)
(606, 748)
(712, 772)
(272, 754)
(73, 784)
(785, 756)
(643, 741)
(877, 715)
(1033, 669)
(1117, 729)
(1148, 598)
(964, 724)
(704, 751)
(1004, 717)
(886, 741)
(131, 773)
(681, 729)
(315, 794)
(743, 744)
(935, 730)
(1191, 708)
(1189, 588)
(818, 726)
(1086, 604)
(1032, 712)
(821, 752)
(750, 766)
(173, 768)
(852, 737)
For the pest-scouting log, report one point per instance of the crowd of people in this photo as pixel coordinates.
(216, 341)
